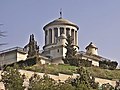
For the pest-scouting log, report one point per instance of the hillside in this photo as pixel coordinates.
(67, 69)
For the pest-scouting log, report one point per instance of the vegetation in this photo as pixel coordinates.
(104, 73)
(107, 87)
(82, 82)
(2, 34)
(38, 83)
(108, 64)
(12, 79)
(53, 69)
(70, 57)
(67, 69)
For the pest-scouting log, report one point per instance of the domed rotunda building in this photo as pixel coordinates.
(56, 33)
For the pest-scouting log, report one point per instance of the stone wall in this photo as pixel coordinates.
(61, 77)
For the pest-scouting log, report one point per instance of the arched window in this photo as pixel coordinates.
(61, 30)
(55, 34)
(67, 31)
(46, 33)
(76, 37)
(72, 35)
(50, 36)
(58, 50)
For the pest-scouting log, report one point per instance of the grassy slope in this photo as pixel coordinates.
(67, 69)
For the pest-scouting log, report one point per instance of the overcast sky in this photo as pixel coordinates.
(99, 22)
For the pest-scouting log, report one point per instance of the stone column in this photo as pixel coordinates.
(48, 37)
(53, 36)
(58, 32)
(76, 38)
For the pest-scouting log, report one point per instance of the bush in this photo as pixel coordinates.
(85, 63)
(108, 64)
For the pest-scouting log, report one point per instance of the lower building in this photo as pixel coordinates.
(12, 55)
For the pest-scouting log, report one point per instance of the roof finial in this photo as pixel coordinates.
(61, 13)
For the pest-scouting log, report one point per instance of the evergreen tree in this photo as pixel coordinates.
(65, 86)
(84, 80)
(38, 83)
(71, 52)
(12, 78)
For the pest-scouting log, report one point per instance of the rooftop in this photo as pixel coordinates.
(61, 21)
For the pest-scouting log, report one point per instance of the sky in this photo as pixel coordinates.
(99, 22)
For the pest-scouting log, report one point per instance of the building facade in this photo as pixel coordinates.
(12, 55)
(54, 50)
(56, 33)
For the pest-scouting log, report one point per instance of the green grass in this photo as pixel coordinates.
(67, 69)
(104, 73)
(53, 69)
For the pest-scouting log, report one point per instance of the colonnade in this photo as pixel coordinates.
(51, 34)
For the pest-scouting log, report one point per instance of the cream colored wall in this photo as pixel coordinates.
(11, 57)
(43, 61)
(105, 81)
(8, 58)
(54, 52)
(92, 51)
(64, 51)
(61, 42)
(57, 61)
(21, 56)
(95, 63)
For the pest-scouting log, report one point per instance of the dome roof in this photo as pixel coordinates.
(63, 36)
(61, 21)
(91, 45)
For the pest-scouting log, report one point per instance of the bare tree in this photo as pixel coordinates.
(2, 34)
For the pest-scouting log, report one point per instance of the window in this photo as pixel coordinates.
(58, 50)
(50, 36)
(72, 34)
(67, 31)
(61, 30)
(76, 37)
(55, 34)
(46, 33)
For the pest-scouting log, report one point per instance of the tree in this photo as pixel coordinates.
(84, 81)
(117, 86)
(12, 78)
(107, 64)
(2, 34)
(47, 83)
(107, 87)
(70, 57)
(38, 83)
(65, 86)
(33, 48)
(71, 51)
